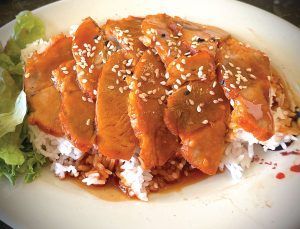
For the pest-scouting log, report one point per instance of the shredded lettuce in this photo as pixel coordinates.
(17, 156)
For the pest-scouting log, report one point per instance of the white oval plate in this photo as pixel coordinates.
(258, 201)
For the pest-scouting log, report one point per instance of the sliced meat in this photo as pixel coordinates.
(44, 109)
(146, 107)
(126, 32)
(76, 114)
(43, 99)
(175, 37)
(244, 74)
(196, 110)
(38, 68)
(199, 37)
(200, 66)
(115, 136)
(90, 50)
(159, 34)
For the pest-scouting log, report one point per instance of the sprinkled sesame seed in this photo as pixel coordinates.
(139, 84)
(210, 47)
(175, 86)
(199, 109)
(95, 92)
(252, 76)
(211, 92)
(189, 88)
(167, 75)
(226, 56)
(178, 81)
(159, 101)
(231, 64)
(163, 82)
(111, 87)
(248, 69)
(27, 75)
(232, 85)
(191, 102)
(214, 84)
(121, 89)
(84, 80)
(205, 121)
(83, 98)
(64, 68)
(88, 122)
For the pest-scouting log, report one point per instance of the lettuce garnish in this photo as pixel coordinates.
(17, 156)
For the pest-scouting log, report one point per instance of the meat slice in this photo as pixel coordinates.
(38, 68)
(159, 33)
(146, 108)
(198, 114)
(43, 99)
(200, 66)
(115, 136)
(76, 114)
(244, 74)
(90, 50)
(173, 37)
(126, 32)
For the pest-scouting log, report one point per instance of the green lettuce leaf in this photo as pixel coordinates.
(28, 28)
(10, 148)
(13, 50)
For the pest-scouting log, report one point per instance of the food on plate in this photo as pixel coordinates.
(144, 101)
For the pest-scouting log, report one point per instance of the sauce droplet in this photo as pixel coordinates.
(290, 153)
(295, 168)
(280, 176)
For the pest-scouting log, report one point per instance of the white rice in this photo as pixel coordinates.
(135, 178)
(59, 150)
(39, 46)
(93, 179)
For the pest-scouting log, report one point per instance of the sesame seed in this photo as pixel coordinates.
(252, 76)
(64, 68)
(205, 121)
(159, 101)
(88, 122)
(163, 82)
(178, 81)
(139, 84)
(214, 84)
(231, 64)
(248, 69)
(167, 75)
(90, 100)
(95, 92)
(210, 47)
(175, 86)
(156, 72)
(144, 78)
(199, 109)
(215, 101)
(111, 87)
(232, 85)
(84, 80)
(189, 88)
(191, 102)
(226, 56)
(27, 75)
(178, 66)
(211, 92)
(121, 90)
(183, 61)
(83, 98)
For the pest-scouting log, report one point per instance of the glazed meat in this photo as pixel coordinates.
(77, 113)
(175, 37)
(146, 108)
(200, 66)
(42, 97)
(90, 50)
(126, 32)
(244, 74)
(115, 136)
(159, 33)
(196, 110)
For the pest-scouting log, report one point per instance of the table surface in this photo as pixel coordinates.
(286, 9)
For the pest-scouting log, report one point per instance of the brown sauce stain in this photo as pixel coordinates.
(111, 192)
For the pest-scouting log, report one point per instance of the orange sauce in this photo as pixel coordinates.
(111, 192)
